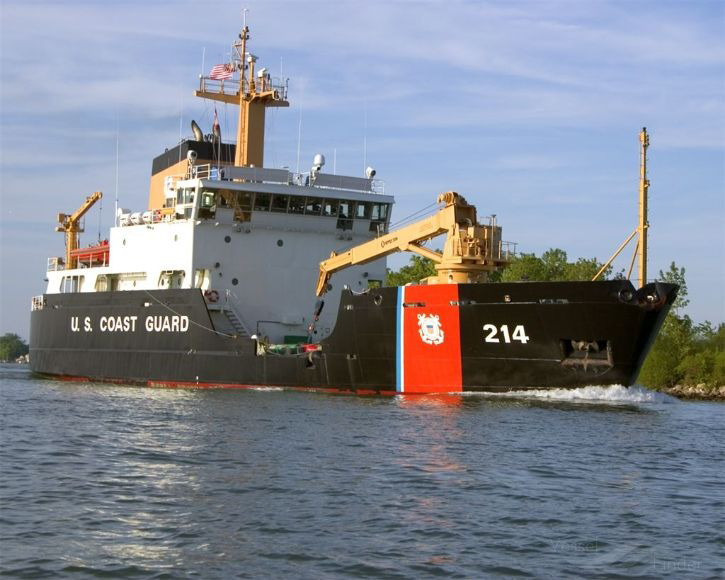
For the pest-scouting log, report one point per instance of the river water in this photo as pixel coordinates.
(114, 481)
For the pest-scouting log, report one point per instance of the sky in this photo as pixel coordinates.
(530, 109)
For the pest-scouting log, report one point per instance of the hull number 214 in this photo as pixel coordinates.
(492, 333)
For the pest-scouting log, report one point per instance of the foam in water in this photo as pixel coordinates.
(611, 393)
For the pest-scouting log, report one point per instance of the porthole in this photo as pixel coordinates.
(329, 287)
(235, 281)
(217, 264)
(176, 237)
(378, 299)
(124, 241)
(227, 239)
(280, 243)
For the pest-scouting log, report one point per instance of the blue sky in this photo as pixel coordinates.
(529, 109)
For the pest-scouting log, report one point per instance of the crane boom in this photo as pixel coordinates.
(471, 250)
(70, 225)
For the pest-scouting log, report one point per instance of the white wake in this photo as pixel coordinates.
(611, 393)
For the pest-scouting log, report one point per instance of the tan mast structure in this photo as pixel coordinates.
(640, 250)
(70, 225)
(643, 191)
(253, 97)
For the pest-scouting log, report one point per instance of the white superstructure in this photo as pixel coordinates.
(252, 245)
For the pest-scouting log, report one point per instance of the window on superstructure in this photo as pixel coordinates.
(207, 205)
(245, 199)
(71, 284)
(279, 203)
(296, 204)
(330, 207)
(380, 211)
(346, 209)
(313, 206)
(363, 210)
(261, 201)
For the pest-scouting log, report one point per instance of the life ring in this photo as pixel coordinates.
(211, 296)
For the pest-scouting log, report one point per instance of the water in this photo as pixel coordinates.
(109, 481)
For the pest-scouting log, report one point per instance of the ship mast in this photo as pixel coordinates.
(253, 97)
(643, 225)
(640, 250)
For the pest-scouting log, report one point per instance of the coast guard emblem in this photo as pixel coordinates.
(429, 328)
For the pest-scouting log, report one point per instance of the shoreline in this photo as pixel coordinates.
(695, 392)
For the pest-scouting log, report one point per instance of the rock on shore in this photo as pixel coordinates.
(701, 392)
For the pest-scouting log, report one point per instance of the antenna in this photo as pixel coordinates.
(299, 136)
(244, 15)
(181, 120)
(100, 215)
(203, 57)
(365, 137)
(334, 161)
(115, 209)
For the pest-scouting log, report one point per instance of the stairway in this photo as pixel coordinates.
(236, 322)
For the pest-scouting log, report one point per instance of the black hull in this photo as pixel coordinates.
(479, 337)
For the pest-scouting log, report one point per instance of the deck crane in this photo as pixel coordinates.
(471, 250)
(70, 225)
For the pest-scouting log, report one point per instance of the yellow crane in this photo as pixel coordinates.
(470, 252)
(70, 225)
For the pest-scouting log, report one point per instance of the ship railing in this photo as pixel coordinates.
(204, 171)
(230, 87)
(55, 264)
(38, 303)
(336, 181)
(507, 250)
(268, 175)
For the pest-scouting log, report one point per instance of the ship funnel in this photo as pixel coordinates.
(198, 135)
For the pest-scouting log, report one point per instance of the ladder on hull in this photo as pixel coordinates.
(236, 322)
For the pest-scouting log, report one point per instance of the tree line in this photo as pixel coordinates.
(12, 347)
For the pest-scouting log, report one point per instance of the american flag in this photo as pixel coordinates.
(221, 71)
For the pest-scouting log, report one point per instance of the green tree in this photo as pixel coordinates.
(676, 275)
(553, 266)
(11, 347)
(417, 269)
(524, 267)
(665, 365)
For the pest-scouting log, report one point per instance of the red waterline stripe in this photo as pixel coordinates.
(201, 385)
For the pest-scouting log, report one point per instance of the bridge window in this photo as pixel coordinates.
(347, 209)
(261, 201)
(380, 211)
(363, 210)
(296, 204)
(330, 207)
(313, 206)
(279, 203)
(207, 205)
